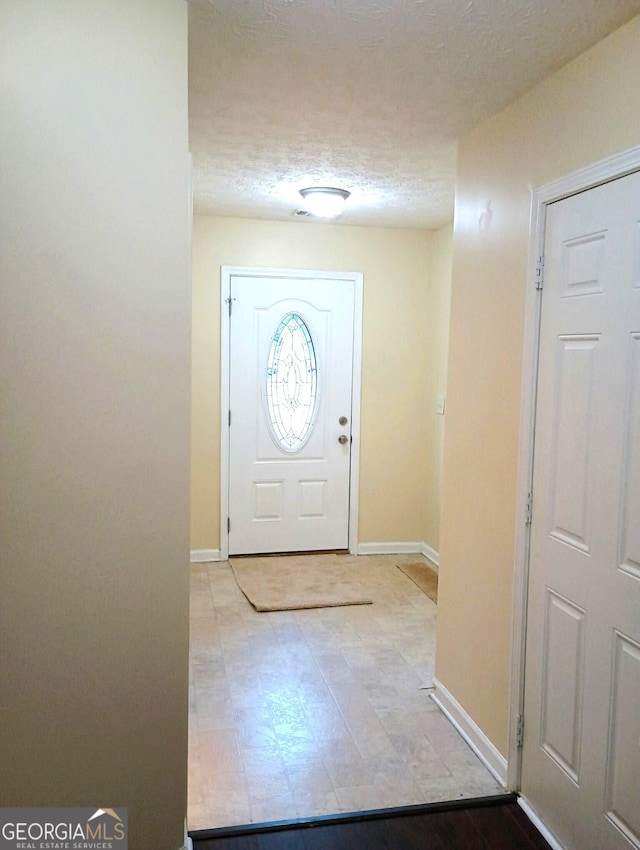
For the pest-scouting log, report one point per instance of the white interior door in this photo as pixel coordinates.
(290, 432)
(581, 756)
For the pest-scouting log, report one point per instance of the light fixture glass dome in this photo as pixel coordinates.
(324, 201)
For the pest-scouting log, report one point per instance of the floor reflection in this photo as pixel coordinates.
(302, 713)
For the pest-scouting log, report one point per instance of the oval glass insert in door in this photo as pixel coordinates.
(291, 384)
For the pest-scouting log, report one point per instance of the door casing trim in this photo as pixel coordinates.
(604, 171)
(357, 278)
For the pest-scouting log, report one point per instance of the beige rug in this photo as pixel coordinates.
(289, 582)
(423, 575)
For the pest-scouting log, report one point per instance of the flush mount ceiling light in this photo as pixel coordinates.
(324, 201)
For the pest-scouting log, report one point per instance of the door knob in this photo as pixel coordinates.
(342, 439)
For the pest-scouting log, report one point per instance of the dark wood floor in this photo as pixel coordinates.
(487, 824)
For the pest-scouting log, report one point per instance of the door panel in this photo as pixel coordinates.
(562, 683)
(622, 764)
(581, 752)
(291, 371)
(630, 539)
(571, 439)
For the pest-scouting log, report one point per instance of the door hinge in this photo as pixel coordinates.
(230, 301)
(540, 273)
(529, 509)
(228, 524)
(229, 418)
(520, 730)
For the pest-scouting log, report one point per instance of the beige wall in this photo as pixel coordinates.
(95, 336)
(585, 112)
(402, 319)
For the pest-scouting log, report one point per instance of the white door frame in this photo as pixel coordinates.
(357, 278)
(601, 172)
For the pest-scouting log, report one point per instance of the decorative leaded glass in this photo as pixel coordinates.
(291, 384)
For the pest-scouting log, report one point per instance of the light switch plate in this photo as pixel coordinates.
(440, 405)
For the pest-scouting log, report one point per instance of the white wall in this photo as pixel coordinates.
(94, 360)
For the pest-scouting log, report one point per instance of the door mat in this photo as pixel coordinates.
(423, 575)
(291, 582)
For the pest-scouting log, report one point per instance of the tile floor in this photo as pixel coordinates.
(302, 713)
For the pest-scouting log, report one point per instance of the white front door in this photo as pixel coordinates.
(581, 756)
(290, 433)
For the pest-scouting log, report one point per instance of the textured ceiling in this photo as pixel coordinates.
(368, 95)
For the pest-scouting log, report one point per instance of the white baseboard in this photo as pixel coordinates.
(399, 548)
(188, 842)
(431, 554)
(201, 556)
(492, 759)
(534, 817)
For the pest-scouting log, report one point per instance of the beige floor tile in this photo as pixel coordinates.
(313, 803)
(217, 748)
(274, 808)
(359, 798)
(217, 781)
(200, 816)
(263, 786)
(212, 698)
(346, 766)
(303, 713)
(253, 727)
(304, 778)
(296, 748)
(400, 794)
(265, 773)
(195, 785)
(370, 737)
(329, 725)
(453, 788)
(351, 698)
(220, 720)
(384, 770)
(229, 808)
(420, 757)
